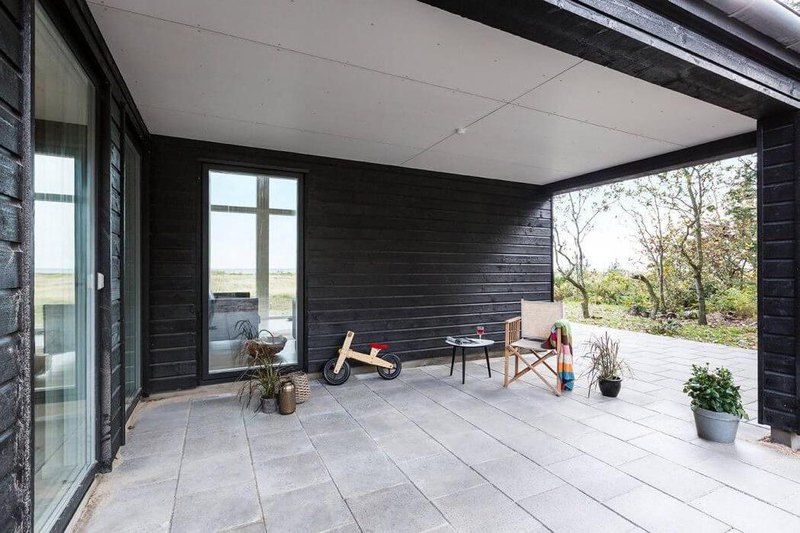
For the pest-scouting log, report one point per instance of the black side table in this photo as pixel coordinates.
(471, 343)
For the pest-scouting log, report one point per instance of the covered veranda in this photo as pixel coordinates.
(386, 167)
(472, 95)
(425, 453)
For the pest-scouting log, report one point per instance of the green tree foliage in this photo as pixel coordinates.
(695, 234)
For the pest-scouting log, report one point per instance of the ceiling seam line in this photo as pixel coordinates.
(548, 80)
(590, 123)
(300, 52)
(492, 112)
(454, 133)
(506, 104)
(516, 102)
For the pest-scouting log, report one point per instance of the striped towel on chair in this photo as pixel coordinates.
(564, 365)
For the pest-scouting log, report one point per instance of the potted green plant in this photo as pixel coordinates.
(262, 375)
(716, 402)
(606, 367)
(261, 380)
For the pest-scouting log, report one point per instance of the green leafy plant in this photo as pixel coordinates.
(605, 363)
(666, 326)
(261, 376)
(714, 391)
(739, 302)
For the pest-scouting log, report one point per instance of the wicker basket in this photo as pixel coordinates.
(301, 386)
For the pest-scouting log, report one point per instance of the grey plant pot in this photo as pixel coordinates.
(716, 427)
(269, 405)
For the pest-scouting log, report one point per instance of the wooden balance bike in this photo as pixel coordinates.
(337, 370)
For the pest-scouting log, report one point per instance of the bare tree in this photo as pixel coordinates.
(652, 219)
(687, 192)
(574, 216)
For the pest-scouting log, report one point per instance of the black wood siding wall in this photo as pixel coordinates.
(110, 338)
(15, 261)
(174, 217)
(410, 258)
(397, 255)
(779, 269)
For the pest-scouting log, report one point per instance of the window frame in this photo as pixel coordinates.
(203, 374)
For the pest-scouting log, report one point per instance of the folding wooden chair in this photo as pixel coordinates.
(525, 335)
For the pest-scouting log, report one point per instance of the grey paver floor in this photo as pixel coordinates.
(425, 453)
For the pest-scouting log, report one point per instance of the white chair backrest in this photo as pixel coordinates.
(538, 318)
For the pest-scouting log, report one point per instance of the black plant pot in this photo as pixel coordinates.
(610, 387)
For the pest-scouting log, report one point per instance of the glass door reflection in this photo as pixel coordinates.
(63, 234)
(252, 261)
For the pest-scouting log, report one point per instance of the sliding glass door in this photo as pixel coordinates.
(131, 295)
(252, 263)
(63, 380)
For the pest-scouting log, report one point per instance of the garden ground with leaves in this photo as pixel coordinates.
(739, 333)
(687, 253)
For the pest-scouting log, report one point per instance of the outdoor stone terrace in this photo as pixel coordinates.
(424, 453)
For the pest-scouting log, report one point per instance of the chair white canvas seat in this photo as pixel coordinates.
(531, 344)
(525, 335)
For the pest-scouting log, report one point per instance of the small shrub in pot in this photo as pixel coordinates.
(261, 376)
(716, 402)
(606, 367)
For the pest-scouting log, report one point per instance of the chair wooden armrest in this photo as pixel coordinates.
(513, 330)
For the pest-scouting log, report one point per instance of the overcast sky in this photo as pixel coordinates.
(613, 240)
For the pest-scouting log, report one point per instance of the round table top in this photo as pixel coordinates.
(474, 342)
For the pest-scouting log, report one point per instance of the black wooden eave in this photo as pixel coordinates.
(736, 145)
(627, 37)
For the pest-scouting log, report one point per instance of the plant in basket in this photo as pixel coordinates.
(254, 343)
(262, 375)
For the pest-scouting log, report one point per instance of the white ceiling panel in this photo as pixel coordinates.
(532, 138)
(389, 81)
(205, 72)
(600, 95)
(243, 133)
(402, 37)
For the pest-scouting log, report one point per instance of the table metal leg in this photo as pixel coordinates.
(453, 360)
(489, 368)
(463, 366)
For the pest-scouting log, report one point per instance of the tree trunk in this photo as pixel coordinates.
(585, 303)
(697, 227)
(651, 292)
(661, 282)
(701, 299)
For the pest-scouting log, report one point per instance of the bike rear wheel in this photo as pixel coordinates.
(390, 373)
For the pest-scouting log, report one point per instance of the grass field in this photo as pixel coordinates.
(51, 289)
(739, 334)
(282, 287)
(59, 289)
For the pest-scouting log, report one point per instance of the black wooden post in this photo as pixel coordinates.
(779, 276)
